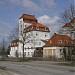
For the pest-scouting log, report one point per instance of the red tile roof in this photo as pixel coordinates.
(26, 16)
(68, 25)
(38, 27)
(59, 40)
(73, 20)
(14, 43)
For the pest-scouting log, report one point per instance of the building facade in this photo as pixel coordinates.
(68, 28)
(14, 47)
(36, 33)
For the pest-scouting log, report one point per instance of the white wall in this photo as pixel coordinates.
(57, 51)
(35, 40)
(13, 51)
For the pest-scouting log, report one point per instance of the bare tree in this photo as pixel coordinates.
(14, 33)
(66, 17)
(24, 40)
(3, 48)
(68, 14)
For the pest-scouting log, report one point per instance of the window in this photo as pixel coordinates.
(32, 53)
(60, 41)
(36, 34)
(46, 29)
(45, 35)
(60, 51)
(39, 43)
(24, 53)
(25, 26)
(28, 47)
(25, 48)
(28, 53)
(37, 28)
(31, 47)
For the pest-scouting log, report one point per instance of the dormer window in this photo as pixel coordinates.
(21, 26)
(50, 41)
(46, 29)
(37, 28)
(66, 41)
(60, 41)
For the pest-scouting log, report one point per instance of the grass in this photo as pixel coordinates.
(70, 64)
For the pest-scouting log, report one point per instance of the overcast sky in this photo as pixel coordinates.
(46, 11)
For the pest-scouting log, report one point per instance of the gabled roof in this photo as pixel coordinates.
(37, 27)
(27, 16)
(59, 40)
(68, 25)
(16, 40)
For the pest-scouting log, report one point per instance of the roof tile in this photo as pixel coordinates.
(59, 40)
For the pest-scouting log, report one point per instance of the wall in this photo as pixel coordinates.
(13, 51)
(52, 51)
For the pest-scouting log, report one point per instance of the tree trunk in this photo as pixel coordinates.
(23, 51)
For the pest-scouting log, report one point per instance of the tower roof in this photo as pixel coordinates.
(27, 16)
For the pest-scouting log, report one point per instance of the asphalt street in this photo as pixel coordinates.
(35, 68)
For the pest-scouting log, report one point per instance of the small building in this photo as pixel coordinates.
(56, 45)
(14, 48)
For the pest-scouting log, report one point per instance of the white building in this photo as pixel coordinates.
(37, 33)
(14, 47)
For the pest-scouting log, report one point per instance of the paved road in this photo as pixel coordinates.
(37, 68)
(3, 72)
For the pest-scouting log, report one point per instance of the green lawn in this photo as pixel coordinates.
(71, 64)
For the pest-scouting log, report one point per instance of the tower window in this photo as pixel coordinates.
(45, 35)
(36, 34)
